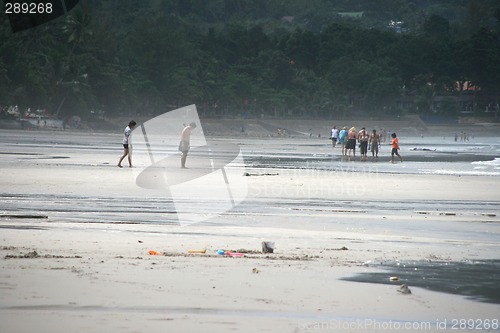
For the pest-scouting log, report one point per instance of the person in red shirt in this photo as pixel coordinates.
(395, 148)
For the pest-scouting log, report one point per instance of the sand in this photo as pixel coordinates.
(92, 271)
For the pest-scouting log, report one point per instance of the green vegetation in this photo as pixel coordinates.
(285, 58)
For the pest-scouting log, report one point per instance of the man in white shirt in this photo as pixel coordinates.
(334, 136)
(127, 144)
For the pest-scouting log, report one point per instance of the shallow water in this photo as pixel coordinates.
(475, 279)
(420, 155)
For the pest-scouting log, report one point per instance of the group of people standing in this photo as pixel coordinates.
(348, 139)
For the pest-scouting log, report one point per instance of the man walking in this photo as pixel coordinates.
(395, 148)
(126, 144)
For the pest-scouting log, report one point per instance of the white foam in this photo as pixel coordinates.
(494, 163)
(467, 172)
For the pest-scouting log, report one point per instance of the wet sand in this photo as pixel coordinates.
(76, 233)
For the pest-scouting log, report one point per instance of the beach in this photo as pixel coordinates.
(77, 234)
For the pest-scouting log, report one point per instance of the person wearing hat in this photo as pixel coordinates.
(184, 145)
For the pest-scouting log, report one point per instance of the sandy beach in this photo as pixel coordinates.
(76, 234)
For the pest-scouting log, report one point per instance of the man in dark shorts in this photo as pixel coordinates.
(363, 143)
(374, 143)
(126, 144)
(334, 136)
(184, 145)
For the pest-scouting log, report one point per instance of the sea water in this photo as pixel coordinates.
(441, 156)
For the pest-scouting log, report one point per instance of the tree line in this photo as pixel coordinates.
(253, 57)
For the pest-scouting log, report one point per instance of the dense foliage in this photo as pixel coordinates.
(253, 57)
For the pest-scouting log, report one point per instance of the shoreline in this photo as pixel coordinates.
(293, 128)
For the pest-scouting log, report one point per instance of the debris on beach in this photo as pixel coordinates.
(422, 149)
(394, 278)
(230, 253)
(251, 254)
(404, 289)
(234, 254)
(197, 251)
(343, 248)
(438, 213)
(33, 254)
(267, 247)
(255, 270)
(247, 174)
(292, 257)
(248, 251)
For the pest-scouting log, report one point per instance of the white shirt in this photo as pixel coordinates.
(126, 134)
